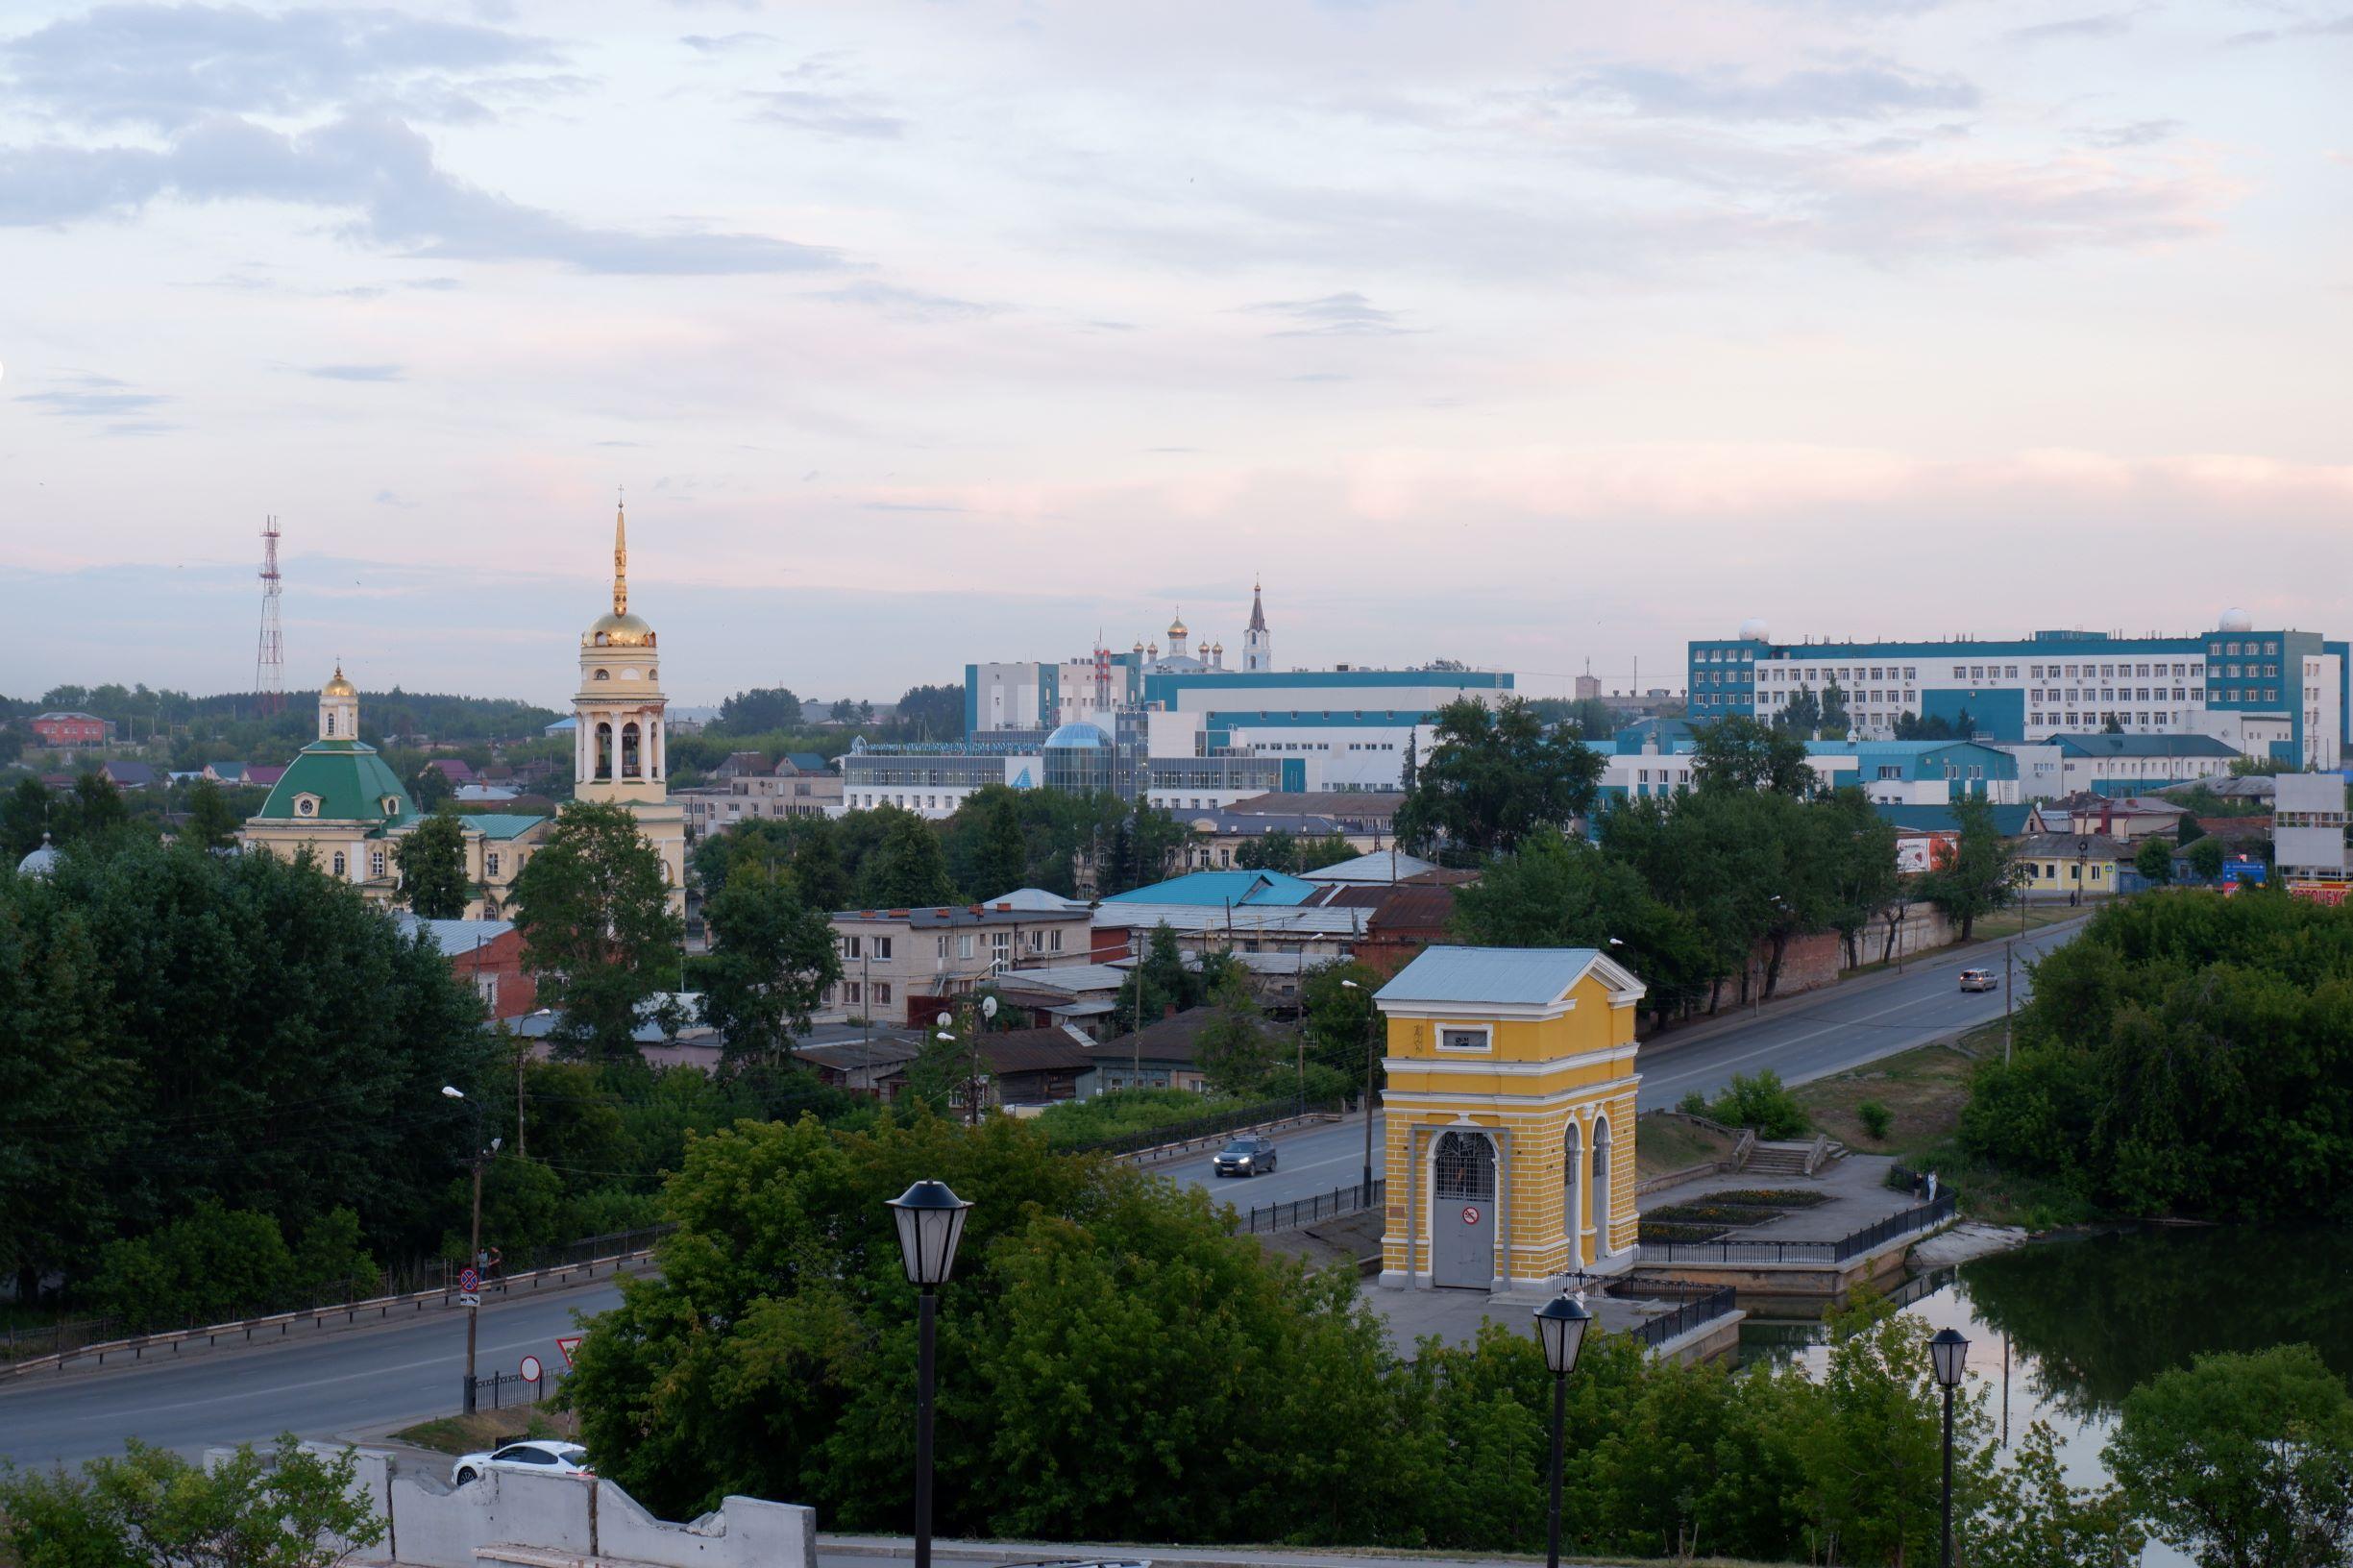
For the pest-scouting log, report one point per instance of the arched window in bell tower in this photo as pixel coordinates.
(653, 739)
(632, 763)
(605, 751)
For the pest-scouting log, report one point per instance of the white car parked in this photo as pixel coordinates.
(539, 1457)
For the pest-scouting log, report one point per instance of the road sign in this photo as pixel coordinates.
(531, 1369)
(1470, 1214)
(467, 1298)
(469, 1281)
(568, 1343)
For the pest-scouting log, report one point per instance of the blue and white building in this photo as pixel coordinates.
(1344, 729)
(2277, 694)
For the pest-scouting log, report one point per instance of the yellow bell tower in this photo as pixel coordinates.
(621, 748)
(1511, 1116)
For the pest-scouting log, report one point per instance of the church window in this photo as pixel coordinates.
(331, 723)
(630, 765)
(306, 806)
(339, 863)
(490, 864)
(605, 751)
(604, 674)
(376, 863)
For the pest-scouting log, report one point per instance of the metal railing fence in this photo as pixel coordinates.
(1845, 1249)
(1307, 1211)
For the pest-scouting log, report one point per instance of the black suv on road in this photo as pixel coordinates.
(1246, 1156)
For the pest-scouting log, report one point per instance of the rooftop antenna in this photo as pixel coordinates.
(270, 654)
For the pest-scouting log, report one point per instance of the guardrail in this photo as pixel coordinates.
(137, 1346)
(1284, 1216)
(1181, 1136)
(1710, 1303)
(1845, 1249)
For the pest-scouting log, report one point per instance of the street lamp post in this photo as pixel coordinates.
(1946, 1350)
(1561, 1328)
(473, 1251)
(930, 1224)
(1365, 1191)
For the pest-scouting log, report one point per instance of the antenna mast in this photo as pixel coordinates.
(270, 655)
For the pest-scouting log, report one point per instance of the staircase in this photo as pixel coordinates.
(1777, 1160)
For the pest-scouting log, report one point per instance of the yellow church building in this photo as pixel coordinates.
(1511, 1116)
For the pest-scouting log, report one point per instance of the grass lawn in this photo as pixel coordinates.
(1666, 1144)
(487, 1429)
(1924, 1090)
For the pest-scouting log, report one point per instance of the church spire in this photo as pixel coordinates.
(621, 559)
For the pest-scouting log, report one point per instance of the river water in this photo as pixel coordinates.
(2061, 1331)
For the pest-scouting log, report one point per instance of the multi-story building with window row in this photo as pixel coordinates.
(2277, 694)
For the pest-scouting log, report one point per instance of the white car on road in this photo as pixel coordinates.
(538, 1457)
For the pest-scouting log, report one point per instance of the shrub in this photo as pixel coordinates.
(1876, 1119)
(1762, 1103)
(207, 1268)
(1693, 1104)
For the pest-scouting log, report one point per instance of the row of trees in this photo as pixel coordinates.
(1689, 890)
(1114, 1366)
(2186, 1055)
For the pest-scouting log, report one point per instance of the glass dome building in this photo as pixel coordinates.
(1078, 758)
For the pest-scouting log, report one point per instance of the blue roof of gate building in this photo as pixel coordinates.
(1214, 888)
(1505, 976)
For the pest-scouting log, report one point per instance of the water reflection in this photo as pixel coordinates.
(2060, 1332)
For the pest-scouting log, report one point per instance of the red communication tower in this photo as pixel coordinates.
(270, 657)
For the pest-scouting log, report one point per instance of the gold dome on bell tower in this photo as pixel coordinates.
(619, 628)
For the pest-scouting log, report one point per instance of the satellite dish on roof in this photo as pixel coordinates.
(946, 1019)
(988, 1007)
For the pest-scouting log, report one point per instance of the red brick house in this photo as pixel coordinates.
(67, 729)
(487, 955)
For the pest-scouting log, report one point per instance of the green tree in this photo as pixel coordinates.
(844, 711)
(253, 1028)
(2243, 1461)
(24, 820)
(1492, 777)
(931, 713)
(1761, 1102)
(286, 1508)
(771, 958)
(2206, 858)
(210, 1267)
(1236, 1053)
(213, 823)
(907, 870)
(1275, 851)
(592, 903)
(94, 808)
(1002, 859)
(1859, 847)
(759, 711)
(1873, 1444)
(1555, 891)
(1340, 1019)
(2111, 725)
(2031, 1517)
(2155, 859)
(1981, 876)
(431, 858)
(1314, 855)
(431, 789)
(1801, 715)
(1162, 982)
(331, 1262)
(1835, 721)
(1738, 753)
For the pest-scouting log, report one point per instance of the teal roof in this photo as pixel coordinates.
(2008, 820)
(1213, 888)
(500, 825)
(2142, 745)
(350, 780)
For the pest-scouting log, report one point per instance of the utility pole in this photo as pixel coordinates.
(474, 1310)
(2009, 994)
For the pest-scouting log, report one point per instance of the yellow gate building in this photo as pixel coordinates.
(1511, 1116)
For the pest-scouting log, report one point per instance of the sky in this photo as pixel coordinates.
(1541, 335)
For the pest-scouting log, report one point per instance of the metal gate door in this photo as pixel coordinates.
(1462, 1219)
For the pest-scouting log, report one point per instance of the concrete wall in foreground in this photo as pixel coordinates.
(566, 1517)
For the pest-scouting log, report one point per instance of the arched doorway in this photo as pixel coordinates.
(1462, 1219)
(1601, 1187)
(1572, 1191)
(632, 763)
(605, 751)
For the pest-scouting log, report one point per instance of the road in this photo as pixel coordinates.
(336, 1382)
(1802, 1037)
(341, 1383)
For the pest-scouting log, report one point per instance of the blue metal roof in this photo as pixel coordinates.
(1516, 976)
(1214, 888)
